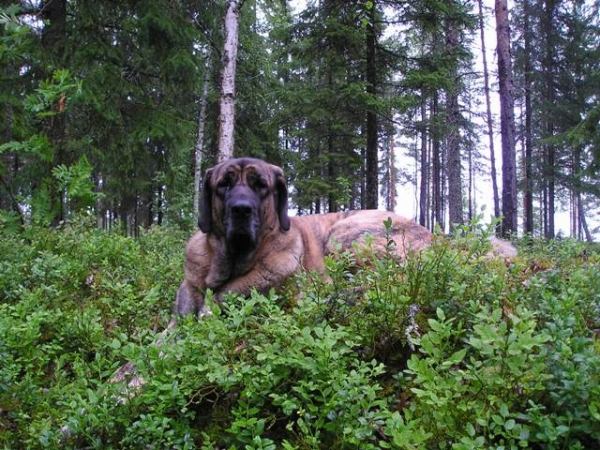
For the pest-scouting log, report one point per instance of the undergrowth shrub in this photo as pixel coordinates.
(65, 296)
(568, 305)
(442, 349)
(474, 387)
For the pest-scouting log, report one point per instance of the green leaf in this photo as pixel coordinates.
(510, 424)
(456, 358)
(470, 429)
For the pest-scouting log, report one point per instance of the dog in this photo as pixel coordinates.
(247, 240)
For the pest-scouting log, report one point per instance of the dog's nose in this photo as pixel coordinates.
(241, 210)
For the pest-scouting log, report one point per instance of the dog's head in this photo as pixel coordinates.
(243, 199)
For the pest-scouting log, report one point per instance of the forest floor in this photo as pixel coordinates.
(447, 349)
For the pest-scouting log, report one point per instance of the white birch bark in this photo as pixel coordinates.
(227, 102)
(199, 149)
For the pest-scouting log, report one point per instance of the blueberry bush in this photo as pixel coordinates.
(447, 349)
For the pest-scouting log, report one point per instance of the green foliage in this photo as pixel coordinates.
(586, 132)
(104, 91)
(119, 84)
(50, 98)
(76, 182)
(16, 36)
(444, 349)
(476, 387)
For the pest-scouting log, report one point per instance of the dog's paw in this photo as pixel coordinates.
(204, 312)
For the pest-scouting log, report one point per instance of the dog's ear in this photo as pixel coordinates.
(281, 198)
(205, 218)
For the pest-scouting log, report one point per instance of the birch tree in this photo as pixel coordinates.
(227, 101)
(199, 149)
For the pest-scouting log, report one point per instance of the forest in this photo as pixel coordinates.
(111, 112)
(112, 109)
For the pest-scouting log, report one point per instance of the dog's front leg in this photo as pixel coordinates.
(263, 277)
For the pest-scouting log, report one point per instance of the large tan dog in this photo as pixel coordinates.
(248, 241)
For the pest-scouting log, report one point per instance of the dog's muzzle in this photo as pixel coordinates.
(241, 223)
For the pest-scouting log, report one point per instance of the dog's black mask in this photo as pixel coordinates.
(241, 220)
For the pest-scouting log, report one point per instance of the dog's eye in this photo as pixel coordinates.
(256, 182)
(224, 185)
(260, 183)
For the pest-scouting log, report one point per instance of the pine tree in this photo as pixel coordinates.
(453, 114)
(372, 138)
(555, 66)
(488, 110)
(111, 87)
(433, 86)
(507, 121)
(329, 102)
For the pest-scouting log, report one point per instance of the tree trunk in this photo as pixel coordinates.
(582, 221)
(227, 103)
(528, 194)
(455, 197)
(199, 149)
(489, 121)
(437, 206)
(143, 209)
(424, 189)
(507, 122)
(331, 153)
(391, 200)
(550, 183)
(372, 128)
(579, 223)
(471, 187)
(548, 71)
(453, 164)
(331, 172)
(11, 162)
(159, 205)
(54, 14)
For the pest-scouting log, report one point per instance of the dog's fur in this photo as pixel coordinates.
(248, 241)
